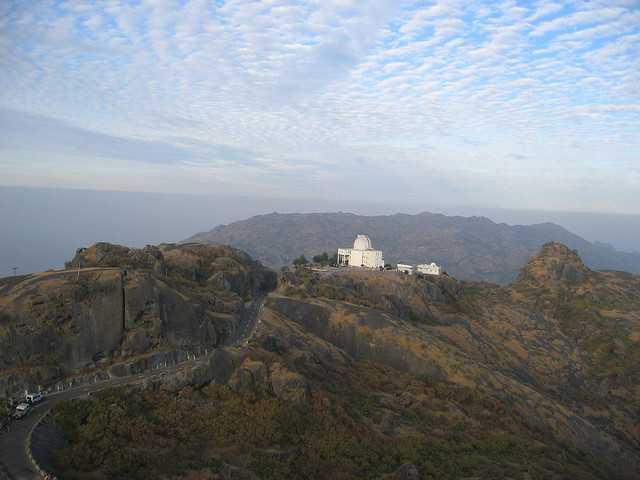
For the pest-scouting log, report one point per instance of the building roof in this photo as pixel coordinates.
(362, 242)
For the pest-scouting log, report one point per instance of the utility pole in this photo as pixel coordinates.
(15, 271)
(79, 255)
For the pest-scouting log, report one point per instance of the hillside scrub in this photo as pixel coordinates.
(365, 426)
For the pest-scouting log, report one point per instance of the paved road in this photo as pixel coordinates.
(15, 465)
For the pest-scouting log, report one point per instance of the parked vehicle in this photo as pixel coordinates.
(22, 410)
(33, 398)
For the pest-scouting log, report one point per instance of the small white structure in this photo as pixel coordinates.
(34, 397)
(404, 268)
(429, 269)
(361, 255)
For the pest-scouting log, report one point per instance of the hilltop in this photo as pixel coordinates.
(470, 248)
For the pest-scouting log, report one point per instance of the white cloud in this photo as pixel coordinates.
(576, 19)
(318, 90)
(545, 10)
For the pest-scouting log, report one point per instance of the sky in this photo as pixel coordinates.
(507, 104)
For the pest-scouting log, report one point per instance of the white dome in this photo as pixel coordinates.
(362, 242)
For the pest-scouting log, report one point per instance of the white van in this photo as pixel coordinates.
(33, 398)
(21, 411)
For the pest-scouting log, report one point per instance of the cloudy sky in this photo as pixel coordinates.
(519, 104)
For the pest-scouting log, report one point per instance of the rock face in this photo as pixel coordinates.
(288, 385)
(124, 302)
(277, 378)
(473, 248)
(366, 335)
(56, 325)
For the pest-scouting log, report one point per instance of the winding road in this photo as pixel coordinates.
(14, 463)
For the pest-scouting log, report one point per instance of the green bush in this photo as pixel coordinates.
(301, 260)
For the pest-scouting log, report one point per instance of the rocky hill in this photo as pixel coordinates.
(115, 303)
(472, 248)
(363, 374)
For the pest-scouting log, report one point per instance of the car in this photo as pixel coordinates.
(22, 410)
(33, 398)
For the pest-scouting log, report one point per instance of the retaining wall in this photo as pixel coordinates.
(40, 470)
(125, 369)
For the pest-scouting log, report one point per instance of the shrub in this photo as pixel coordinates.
(301, 260)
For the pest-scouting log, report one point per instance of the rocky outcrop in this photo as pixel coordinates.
(276, 378)
(57, 326)
(288, 385)
(217, 368)
(214, 267)
(408, 297)
(122, 303)
(365, 334)
(406, 471)
(104, 254)
(231, 472)
(555, 264)
(249, 375)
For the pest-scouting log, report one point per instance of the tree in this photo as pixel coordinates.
(322, 259)
(301, 260)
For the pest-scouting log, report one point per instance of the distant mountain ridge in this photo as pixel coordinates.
(473, 248)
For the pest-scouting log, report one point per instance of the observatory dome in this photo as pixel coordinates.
(362, 242)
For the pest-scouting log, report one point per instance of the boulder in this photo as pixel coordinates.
(249, 375)
(288, 385)
(406, 471)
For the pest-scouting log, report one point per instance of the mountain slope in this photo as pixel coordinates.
(468, 247)
(366, 374)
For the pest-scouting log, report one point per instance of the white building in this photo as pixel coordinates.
(404, 268)
(361, 255)
(429, 269)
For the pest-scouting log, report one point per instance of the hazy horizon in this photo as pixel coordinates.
(43, 227)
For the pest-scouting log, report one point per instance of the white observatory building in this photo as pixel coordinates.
(361, 255)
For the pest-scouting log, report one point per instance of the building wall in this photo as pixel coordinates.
(356, 259)
(429, 269)
(405, 268)
(359, 258)
(373, 258)
(344, 256)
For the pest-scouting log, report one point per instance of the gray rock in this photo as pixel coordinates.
(407, 471)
